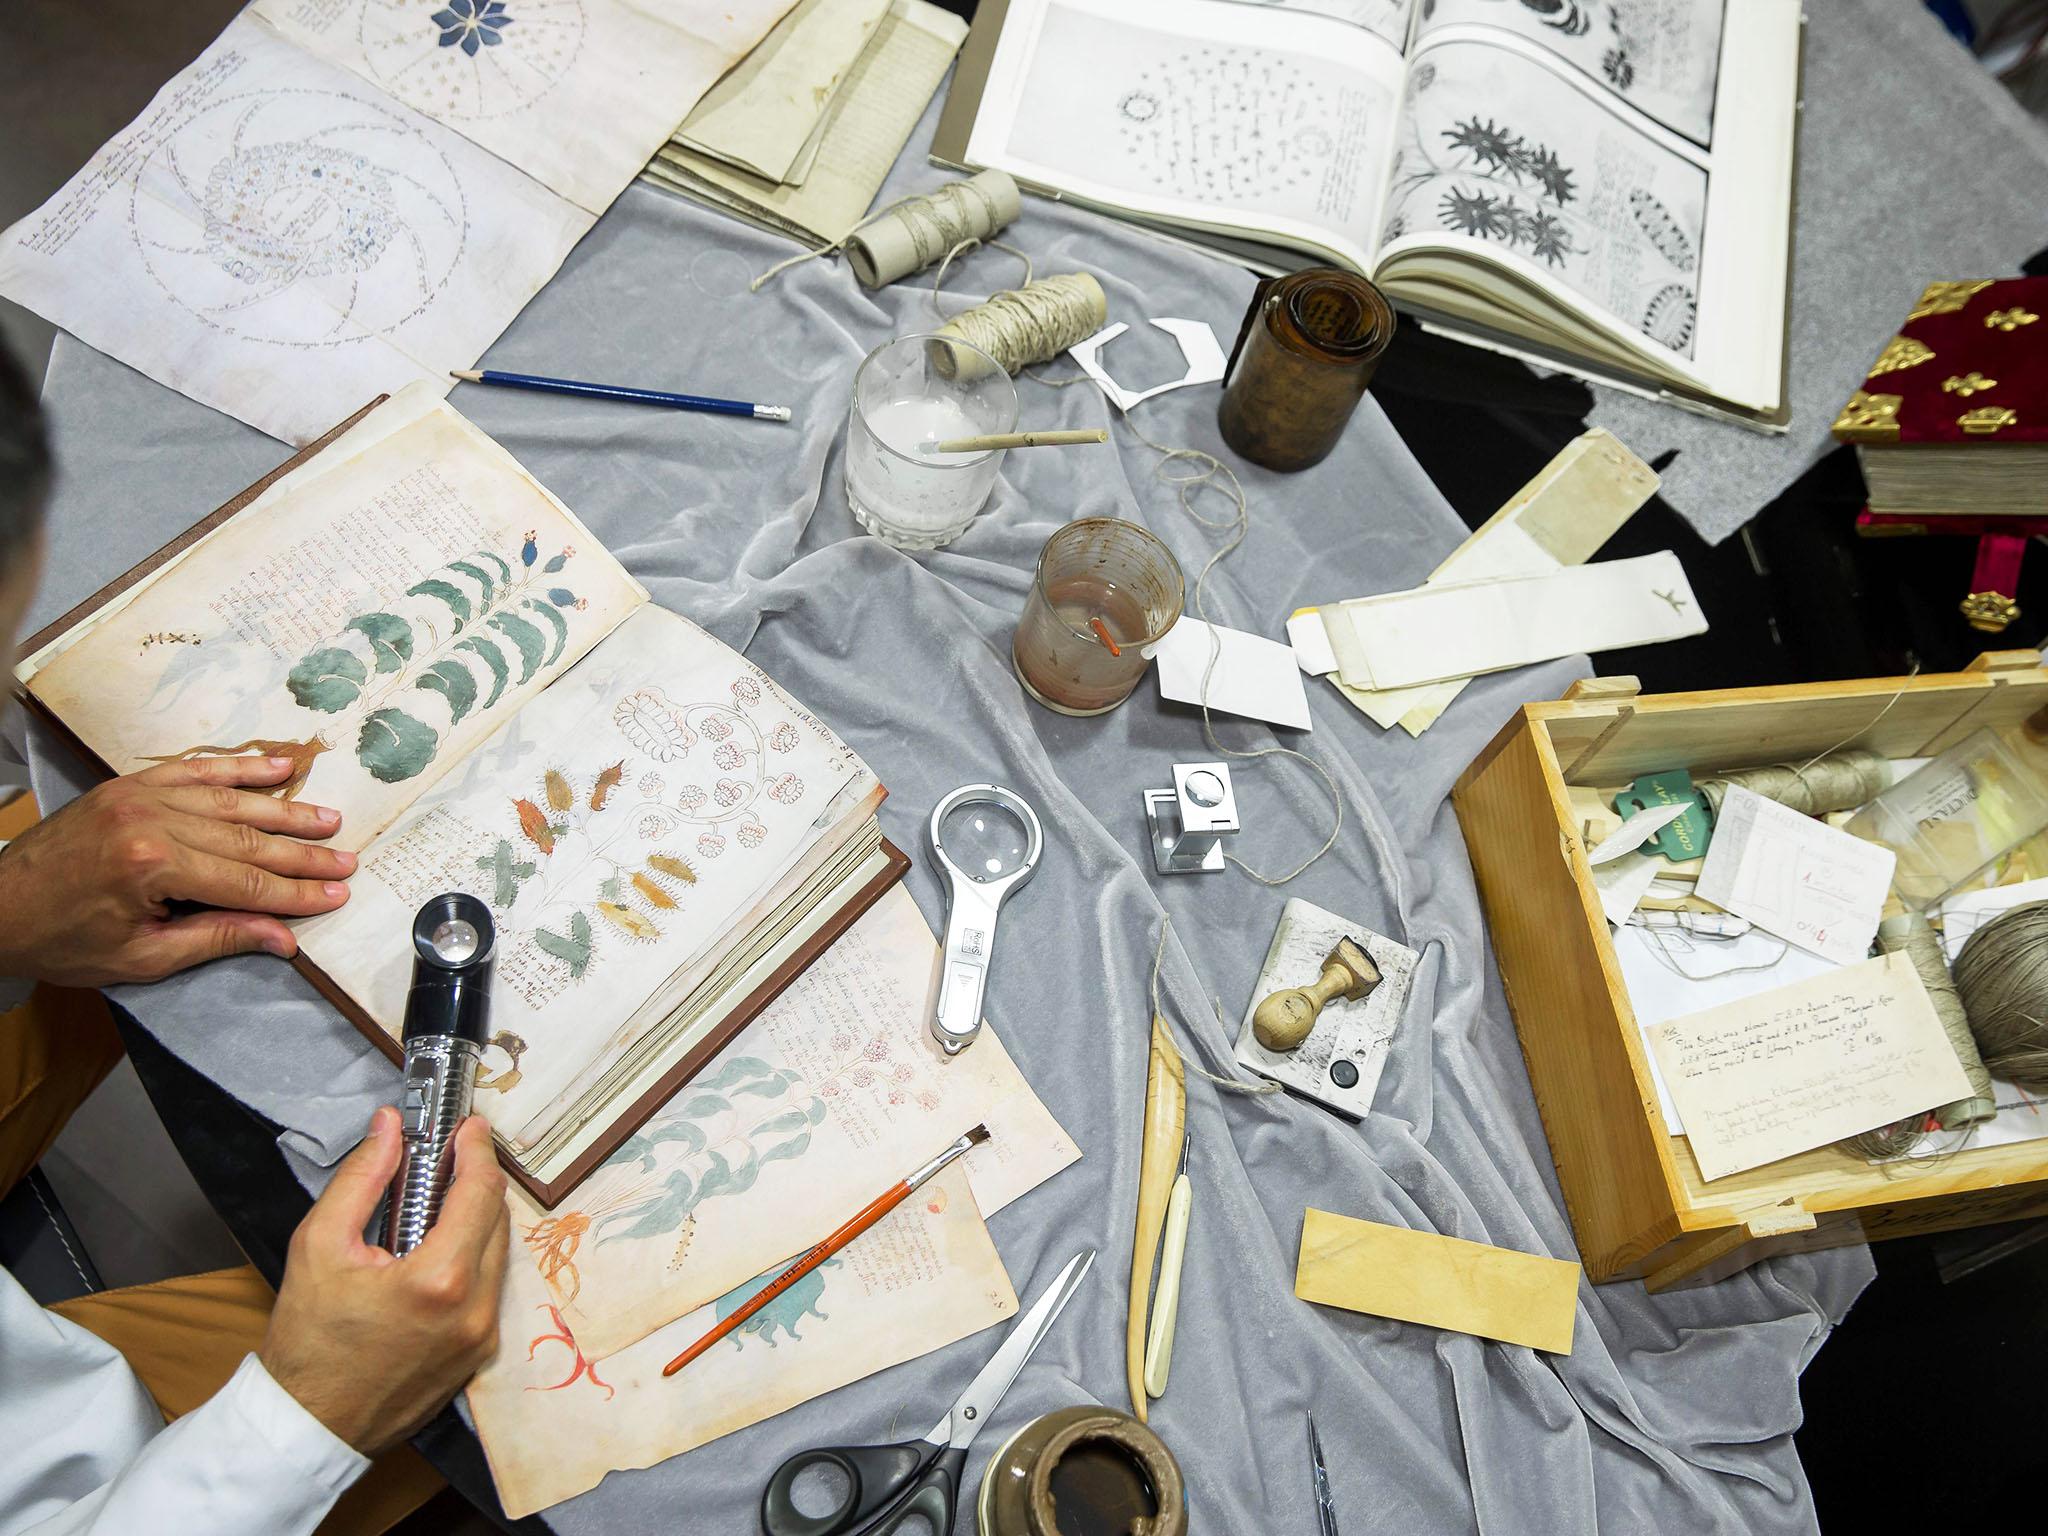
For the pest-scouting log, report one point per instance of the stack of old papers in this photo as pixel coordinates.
(1512, 593)
(799, 134)
(835, 1091)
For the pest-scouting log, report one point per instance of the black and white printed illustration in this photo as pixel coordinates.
(1385, 19)
(298, 218)
(460, 60)
(1661, 56)
(1219, 129)
(1497, 150)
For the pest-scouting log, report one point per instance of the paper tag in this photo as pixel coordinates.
(1255, 677)
(1801, 1066)
(1687, 837)
(1796, 877)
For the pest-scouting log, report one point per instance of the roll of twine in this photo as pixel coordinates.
(2002, 978)
(914, 232)
(1909, 933)
(1838, 781)
(1021, 326)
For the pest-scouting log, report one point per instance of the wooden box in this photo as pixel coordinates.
(1636, 1199)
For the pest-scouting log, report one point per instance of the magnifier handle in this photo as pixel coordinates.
(970, 940)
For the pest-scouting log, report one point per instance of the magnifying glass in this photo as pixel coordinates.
(987, 840)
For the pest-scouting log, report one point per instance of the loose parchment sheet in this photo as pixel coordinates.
(339, 197)
(1672, 1412)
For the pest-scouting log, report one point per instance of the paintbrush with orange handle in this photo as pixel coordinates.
(874, 1211)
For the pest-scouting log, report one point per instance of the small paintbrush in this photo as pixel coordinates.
(873, 1212)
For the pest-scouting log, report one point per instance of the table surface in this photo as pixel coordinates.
(1671, 1413)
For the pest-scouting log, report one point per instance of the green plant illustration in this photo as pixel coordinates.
(498, 618)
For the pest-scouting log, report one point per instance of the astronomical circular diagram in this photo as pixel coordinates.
(272, 230)
(461, 60)
(1215, 126)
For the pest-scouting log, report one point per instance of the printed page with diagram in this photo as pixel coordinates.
(623, 827)
(1608, 179)
(1265, 123)
(375, 621)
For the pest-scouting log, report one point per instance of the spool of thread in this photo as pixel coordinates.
(918, 232)
(1020, 326)
(1910, 933)
(1839, 781)
(1084, 1471)
(2002, 979)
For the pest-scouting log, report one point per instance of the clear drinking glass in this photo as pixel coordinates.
(1097, 570)
(909, 394)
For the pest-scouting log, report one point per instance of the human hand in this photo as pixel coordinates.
(372, 1345)
(88, 891)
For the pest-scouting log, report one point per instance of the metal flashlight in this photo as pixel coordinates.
(447, 1017)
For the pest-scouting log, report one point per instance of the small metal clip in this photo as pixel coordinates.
(1190, 820)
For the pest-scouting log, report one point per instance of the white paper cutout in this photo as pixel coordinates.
(1198, 345)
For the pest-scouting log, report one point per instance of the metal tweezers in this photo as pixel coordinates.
(1326, 1508)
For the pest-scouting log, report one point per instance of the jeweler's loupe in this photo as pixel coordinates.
(986, 840)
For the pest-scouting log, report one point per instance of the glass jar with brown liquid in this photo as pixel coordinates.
(1309, 347)
(1103, 597)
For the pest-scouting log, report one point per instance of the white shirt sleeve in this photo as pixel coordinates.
(248, 1460)
(84, 1449)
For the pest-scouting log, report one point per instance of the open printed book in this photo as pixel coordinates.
(664, 837)
(1602, 184)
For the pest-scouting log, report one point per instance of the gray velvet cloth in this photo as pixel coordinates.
(1672, 1413)
(1914, 165)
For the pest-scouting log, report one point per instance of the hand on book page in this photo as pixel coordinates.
(89, 890)
(619, 825)
(375, 623)
(554, 1421)
(823, 1102)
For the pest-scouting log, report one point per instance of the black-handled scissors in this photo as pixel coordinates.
(889, 1484)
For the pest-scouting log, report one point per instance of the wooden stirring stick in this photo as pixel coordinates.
(993, 440)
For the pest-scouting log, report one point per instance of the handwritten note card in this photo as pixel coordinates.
(1798, 878)
(1804, 1065)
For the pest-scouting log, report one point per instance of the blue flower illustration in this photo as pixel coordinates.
(472, 24)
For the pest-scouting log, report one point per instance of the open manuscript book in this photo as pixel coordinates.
(1604, 185)
(664, 837)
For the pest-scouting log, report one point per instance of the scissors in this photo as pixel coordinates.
(1326, 1507)
(890, 1485)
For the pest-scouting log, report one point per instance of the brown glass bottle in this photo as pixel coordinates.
(1308, 348)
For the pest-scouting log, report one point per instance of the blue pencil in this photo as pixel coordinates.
(623, 392)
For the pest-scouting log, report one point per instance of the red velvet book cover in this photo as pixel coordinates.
(1970, 365)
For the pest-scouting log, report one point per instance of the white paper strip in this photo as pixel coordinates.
(1432, 633)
